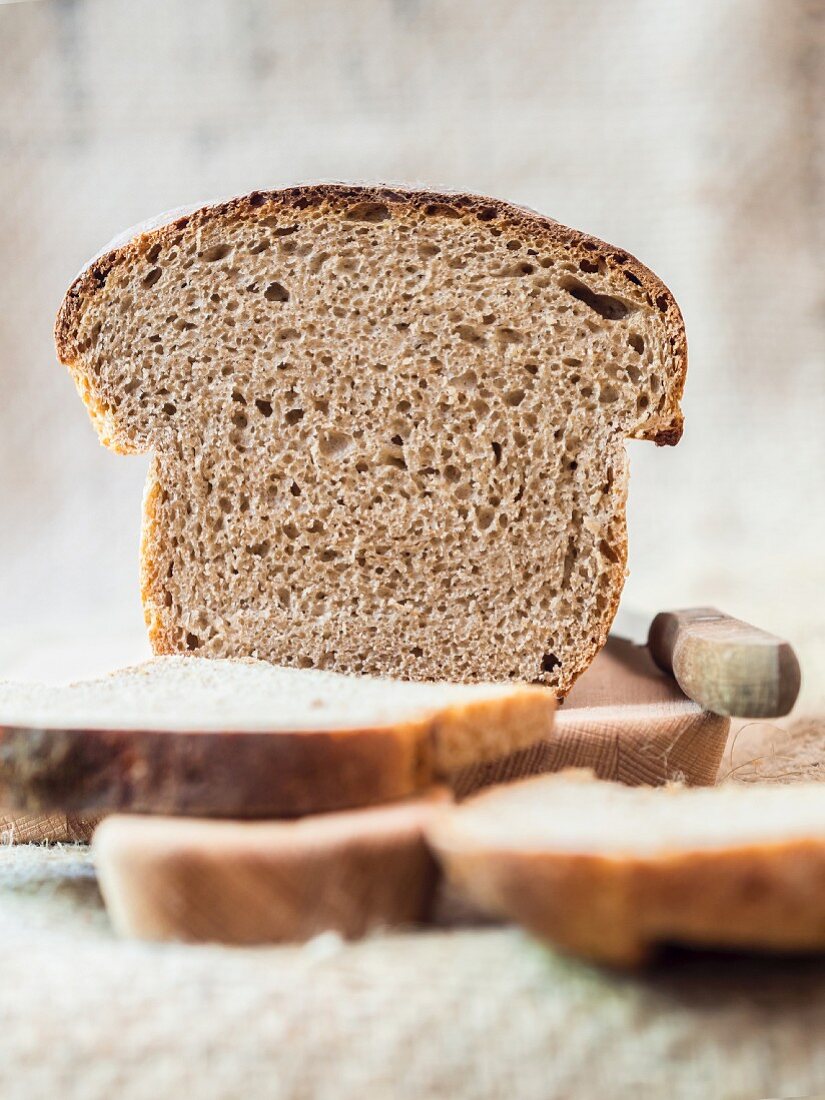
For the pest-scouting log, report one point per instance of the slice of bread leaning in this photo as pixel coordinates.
(610, 872)
(241, 738)
(388, 427)
(268, 882)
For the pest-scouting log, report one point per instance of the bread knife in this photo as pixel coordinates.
(725, 665)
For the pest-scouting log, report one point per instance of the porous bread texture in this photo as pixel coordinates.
(466, 723)
(388, 427)
(611, 872)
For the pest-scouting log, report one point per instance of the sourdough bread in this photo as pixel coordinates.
(268, 882)
(610, 872)
(388, 427)
(243, 738)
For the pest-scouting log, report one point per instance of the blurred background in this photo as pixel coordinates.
(690, 132)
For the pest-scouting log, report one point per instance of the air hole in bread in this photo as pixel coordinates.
(549, 662)
(507, 335)
(470, 334)
(441, 210)
(368, 212)
(275, 292)
(612, 309)
(216, 252)
(637, 342)
(392, 456)
(334, 445)
(484, 516)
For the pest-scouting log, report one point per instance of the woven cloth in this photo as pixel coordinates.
(464, 1011)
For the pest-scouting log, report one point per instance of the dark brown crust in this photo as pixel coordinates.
(305, 198)
(211, 774)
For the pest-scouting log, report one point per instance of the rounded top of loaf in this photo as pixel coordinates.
(377, 203)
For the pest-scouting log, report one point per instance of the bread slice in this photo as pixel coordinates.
(241, 738)
(268, 882)
(388, 427)
(609, 872)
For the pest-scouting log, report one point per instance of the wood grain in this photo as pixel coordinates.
(268, 882)
(726, 665)
(52, 828)
(626, 720)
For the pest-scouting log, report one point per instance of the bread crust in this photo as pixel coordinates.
(619, 911)
(620, 908)
(211, 773)
(268, 882)
(662, 427)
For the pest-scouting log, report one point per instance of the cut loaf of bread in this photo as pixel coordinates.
(388, 427)
(268, 882)
(242, 738)
(610, 872)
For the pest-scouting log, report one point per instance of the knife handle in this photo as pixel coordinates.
(725, 665)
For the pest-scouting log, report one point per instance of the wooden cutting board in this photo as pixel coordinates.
(625, 718)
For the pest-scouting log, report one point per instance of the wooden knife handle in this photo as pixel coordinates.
(725, 665)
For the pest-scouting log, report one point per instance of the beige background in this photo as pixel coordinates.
(691, 132)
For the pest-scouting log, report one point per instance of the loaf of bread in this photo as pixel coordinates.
(388, 427)
(611, 872)
(268, 882)
(241, 738)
